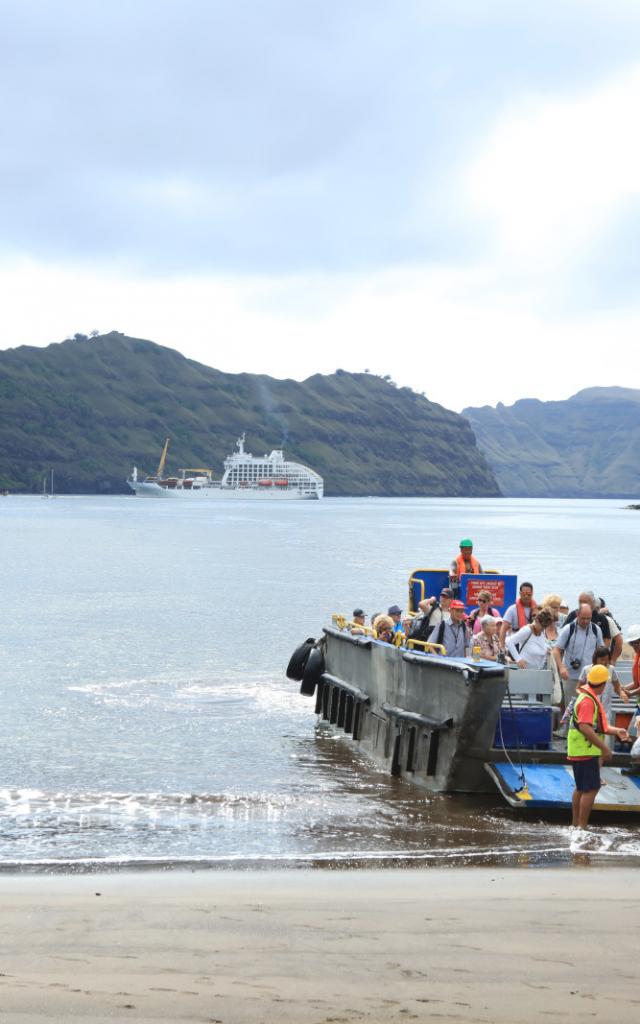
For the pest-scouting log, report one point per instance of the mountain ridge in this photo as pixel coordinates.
(91, 407)
(584, 446)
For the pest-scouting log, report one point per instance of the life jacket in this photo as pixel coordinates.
(522, 613)
(577, 743)
(635, 672)
(462, 566)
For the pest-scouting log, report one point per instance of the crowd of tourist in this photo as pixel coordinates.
(528, 634)
(581, 647)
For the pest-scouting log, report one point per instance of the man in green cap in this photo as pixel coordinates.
(464, 563)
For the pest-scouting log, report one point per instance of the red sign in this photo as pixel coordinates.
(494, 587)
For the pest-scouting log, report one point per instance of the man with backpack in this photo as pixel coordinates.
(452, 634)
(574, 649)
(432, 613)
(597, 617)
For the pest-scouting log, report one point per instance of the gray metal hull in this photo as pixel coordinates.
(419, 716)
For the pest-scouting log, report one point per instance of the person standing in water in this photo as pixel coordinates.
(586, 744)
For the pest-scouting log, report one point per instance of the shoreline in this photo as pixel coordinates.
(461, 944)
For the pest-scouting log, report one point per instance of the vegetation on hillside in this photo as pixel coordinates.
(90, 408)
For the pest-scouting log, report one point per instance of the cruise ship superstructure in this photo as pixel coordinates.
(245, 476)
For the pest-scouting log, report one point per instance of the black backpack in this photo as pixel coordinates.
(438, 636)
(420, 628)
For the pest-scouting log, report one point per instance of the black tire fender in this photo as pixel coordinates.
(312, 672)
(298, 660)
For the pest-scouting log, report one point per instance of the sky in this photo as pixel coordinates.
(445, 192)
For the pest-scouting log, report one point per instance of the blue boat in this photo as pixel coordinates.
(551, 785)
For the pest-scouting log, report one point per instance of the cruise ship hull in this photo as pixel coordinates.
(221, 493)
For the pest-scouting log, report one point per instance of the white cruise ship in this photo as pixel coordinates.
(245, 476)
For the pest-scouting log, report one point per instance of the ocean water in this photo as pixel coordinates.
(146, 718)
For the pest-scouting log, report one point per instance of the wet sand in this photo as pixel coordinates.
(496, 945)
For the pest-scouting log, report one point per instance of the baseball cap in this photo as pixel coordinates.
(466, 543)
(446, 592)
(357, 612)
(394, 610)
(457, 604)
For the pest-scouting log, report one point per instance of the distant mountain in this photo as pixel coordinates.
(92, 407)
(586, 446)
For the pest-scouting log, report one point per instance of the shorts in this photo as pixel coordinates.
(587, 774)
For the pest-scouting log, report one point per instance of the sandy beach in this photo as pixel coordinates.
(323, 946)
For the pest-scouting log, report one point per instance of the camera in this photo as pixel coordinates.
(575, 664)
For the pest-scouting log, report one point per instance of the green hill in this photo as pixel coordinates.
(91, 408)
(586, 446)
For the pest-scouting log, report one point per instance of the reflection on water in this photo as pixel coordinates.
(147, 720)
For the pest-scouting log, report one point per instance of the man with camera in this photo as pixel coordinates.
(574, 649)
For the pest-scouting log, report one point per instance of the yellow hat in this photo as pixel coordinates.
(598, 675)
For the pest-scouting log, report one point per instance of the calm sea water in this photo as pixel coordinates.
(146, 717)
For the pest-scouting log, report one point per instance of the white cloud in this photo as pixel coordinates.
(454, 334)
(552, 177)
(554, 173)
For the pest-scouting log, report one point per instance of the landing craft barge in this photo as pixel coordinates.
(245, 476)
(449, 725)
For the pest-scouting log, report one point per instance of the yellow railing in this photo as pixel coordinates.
(399, 639)
(412, 580)
(341, 622)
(427, 647)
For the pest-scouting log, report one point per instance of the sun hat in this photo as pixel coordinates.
(466, 543)
(634, 634)
(598, 675)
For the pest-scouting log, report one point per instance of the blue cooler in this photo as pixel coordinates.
(527, 727)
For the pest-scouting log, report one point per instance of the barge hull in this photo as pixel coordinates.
(417, 715)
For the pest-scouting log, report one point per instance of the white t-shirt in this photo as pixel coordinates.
(614, 629)
(533, 649)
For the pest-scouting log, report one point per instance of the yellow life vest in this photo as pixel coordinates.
(577, 743)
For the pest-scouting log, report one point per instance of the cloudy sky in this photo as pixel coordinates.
(447, 191)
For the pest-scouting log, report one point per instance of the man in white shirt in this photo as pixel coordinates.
(441, 610)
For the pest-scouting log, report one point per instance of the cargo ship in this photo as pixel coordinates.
(269, 477)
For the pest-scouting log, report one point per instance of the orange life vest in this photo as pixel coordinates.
(462, 566)
(522, 615)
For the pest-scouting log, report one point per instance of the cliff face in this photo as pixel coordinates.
(586, 446)
(91, 408)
